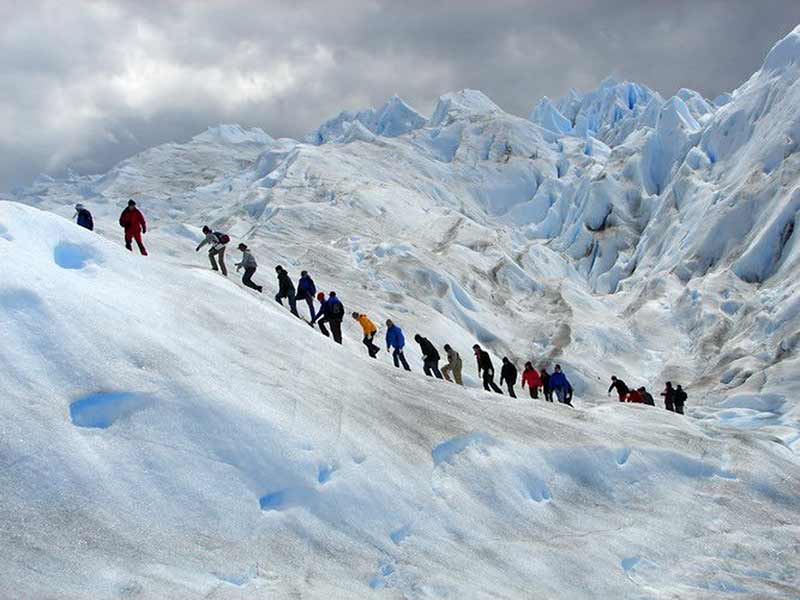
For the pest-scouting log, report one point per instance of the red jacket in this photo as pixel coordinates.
(532, 378)
(635, 396)
(132, 220)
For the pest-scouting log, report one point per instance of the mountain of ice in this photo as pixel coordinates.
(614, 232)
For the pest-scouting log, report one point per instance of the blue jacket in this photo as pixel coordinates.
(306, 288)
(558, 380)
(394, 337)
(85, 219)
(326, 307)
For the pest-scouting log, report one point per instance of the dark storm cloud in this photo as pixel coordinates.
(87, 83)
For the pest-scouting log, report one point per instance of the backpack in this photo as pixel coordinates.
(222, 238)
(337, 310)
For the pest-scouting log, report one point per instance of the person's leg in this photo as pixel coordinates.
(278, 299)
(679, 409)
(426, 366)
(494, 385)
(373, 348)
(511, 390)
(395, 359)
(368, 344)
(560, 394)
(222, 267)
(137, 235)
(457, 374)
(310, 302)
(486, 380)
(322, 328)
(435, 369)
(292, 303)
(128, 240)
(211, 259)
(403, 360)
(531, 391)
(535, 392)
(446, 371)
(247, 279)
(336, 330)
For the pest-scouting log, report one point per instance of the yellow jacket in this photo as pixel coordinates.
(367, 325)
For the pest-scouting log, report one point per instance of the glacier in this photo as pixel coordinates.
(168, 433)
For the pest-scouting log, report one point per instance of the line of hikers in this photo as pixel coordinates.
(674, 398)
(331, 313)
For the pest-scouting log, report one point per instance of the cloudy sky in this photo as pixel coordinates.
(85, 84)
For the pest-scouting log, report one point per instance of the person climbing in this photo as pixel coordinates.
(454, 365)
(332, 313)
(669, 397)
(306, 291)
(532, 378)
(132, 220)
(217, 242)
(547, 391)
(486, 367)
(396, 340)
(680, 399)
(285, 289)
(635, 396)
(369, 329)
(508, 373)
(647, 396)
(430, 357)
(84, 217)
(620, 386)
(250, 266)
(559, 385)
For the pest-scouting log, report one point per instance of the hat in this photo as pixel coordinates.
(131, 202)
(79, 206)
(332, 294)
(321, 296)
(389, 322)
(476, 347)
(242, 246)
(303, 273)
(278, 268)
(206, 229)
(355, 315)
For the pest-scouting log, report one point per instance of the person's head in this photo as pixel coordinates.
(303, 273)
(447, 347)
(79, 206)
(131, 202)
(355, 315)
(613, 378)
(389, 322)
(669, 384)
(278, 268)
(206, 229)
(332, 294)
(242, 247)
(679, 387)
(321, 296)
(505, 359)
(528, 365)
(544, 370)
(641, 389)
(558, 368)
(417, 338)
(476, 348)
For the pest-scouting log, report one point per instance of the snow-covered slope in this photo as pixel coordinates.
(614, 232)
(169, 434)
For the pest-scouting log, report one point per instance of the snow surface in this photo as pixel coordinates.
(169, 433)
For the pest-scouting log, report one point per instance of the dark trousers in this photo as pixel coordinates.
(534, 390)
(221, 254)
(511, 390)
(336, 328)
(399, 357)
(371, 348)
(679, 408)
(488, 382)
(247, 279)
(669, 406)
(134, 235)
(310, 301)
(431, 368)
(548, 394)
(292, 301)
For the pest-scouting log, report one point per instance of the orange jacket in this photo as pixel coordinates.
(367, 325)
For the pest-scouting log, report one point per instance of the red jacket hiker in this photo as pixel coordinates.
(636, 397)
(132, 220)
(532, 378)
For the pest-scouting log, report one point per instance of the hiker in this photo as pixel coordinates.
(306, 291)
(532, 378)
(620, 386)
(132, 220)
(560, 385)
(396, 340)
(250, 266)
(84, 217)
(635, 396)
(486, 367)
(680, 399)
(546, 389)
(285, 289)
(430, 357)
(669, 397)
(332, 313)
(369, 329)
(453, 365)
(217, 242)
(647, 396)
(508, 373)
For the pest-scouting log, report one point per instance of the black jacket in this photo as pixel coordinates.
(285, 285)
(620, 386)
(680, 396)
(484, 361)
(429, 351)
(508, 373)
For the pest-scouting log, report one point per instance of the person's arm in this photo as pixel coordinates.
(144, 223)
(611, 387)
(201, 244)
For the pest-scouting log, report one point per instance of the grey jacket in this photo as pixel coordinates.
(212, 240)
(453, 359)
(248, 262)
